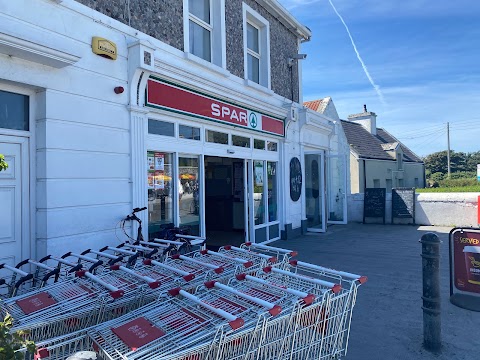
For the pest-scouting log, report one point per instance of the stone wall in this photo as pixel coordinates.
(283, 45)
(163, 20)
(442, 209)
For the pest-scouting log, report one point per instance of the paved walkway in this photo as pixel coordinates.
(387, 319)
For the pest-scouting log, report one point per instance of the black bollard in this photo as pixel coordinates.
(431, 292)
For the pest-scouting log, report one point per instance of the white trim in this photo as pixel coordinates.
(279, 12)
(255, 19)
(34, 48)
(218, 60)
(28, 150)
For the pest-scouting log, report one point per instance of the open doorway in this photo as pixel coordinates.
(224, 201)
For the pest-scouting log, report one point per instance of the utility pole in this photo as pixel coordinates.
(448, 150)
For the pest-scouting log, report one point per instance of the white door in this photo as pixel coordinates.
(337, 189)
(14, 207)
(315, 191)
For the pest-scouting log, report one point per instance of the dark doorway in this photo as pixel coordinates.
(224, 201)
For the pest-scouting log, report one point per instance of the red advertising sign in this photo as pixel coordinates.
(466, 256)
(175, 98)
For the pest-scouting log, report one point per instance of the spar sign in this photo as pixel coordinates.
(172, 97)
(465, 268)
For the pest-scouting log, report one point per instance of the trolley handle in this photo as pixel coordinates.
(216, 269)
(149, 252)
(119, 249)
(194, 240)
(273, 309)
(244, 262)
(334, 287)
(73, 266)
(272, 248)
(114, 291)
(359, 278)
(269, 258)
(14, 269)
(307, 298)
(234, 322)
(82, 257)
(170, 242)
(153, 244)
(152, 283)
(113, 258)
(186, 276)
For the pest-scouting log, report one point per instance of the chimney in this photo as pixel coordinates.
(367, 119)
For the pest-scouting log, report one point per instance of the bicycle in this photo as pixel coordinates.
(133, 217)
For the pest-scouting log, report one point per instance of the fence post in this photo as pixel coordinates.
(431, 292)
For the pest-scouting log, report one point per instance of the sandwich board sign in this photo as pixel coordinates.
(464, 244)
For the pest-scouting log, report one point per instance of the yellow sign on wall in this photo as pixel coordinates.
(104, 47)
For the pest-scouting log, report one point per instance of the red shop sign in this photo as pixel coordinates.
(175, 98)
(465, 268)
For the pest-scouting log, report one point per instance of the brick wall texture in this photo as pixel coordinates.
(163, 20)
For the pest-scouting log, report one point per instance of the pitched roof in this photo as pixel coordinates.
(386, 137)
(318, 105)
(371, 146)
(363, 143)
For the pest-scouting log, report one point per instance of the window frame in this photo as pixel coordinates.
(253, 18)
(216, 28)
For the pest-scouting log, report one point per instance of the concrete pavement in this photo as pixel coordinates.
(387, 319)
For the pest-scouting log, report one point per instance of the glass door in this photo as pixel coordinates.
(337, 186)
(314, 192)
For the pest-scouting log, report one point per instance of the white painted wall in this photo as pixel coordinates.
(83, 185)
(441, 209)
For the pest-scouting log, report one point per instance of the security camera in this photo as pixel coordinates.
(300, 56)
(296, 57)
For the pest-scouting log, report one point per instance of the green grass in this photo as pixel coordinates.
(472, 188)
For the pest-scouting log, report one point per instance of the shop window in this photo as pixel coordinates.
(216, 137)
(376, 183)
(272, 190)
(259, 144)
(272, 146)
(160, 192)
(240, 141)
(258, 196)
(256, 33)
(14, 111)
(161, 127)
(189, 193)
(189, 132)
(204, 24)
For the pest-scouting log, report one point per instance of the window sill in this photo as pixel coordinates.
(210, 66)
(258, 87)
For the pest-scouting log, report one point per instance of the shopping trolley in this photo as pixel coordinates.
(242, 253)
(283, 255)
(13, 281)
(77, 303)
(161, 330)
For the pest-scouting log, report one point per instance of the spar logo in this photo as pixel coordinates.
(252, 119)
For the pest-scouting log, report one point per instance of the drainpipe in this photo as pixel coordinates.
(364, 175)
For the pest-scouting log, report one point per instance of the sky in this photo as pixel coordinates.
(421, 66)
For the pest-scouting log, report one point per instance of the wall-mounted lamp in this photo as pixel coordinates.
(296, 57)
(119, 89)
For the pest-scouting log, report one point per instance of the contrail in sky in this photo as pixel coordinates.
(375, 86)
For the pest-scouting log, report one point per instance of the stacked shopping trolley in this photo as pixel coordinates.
(150, 301)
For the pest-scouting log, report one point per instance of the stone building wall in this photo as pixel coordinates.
(163, 20)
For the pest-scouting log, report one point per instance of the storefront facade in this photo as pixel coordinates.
(203, 144)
